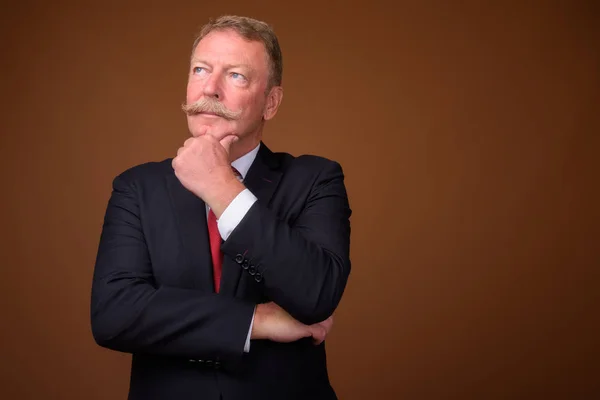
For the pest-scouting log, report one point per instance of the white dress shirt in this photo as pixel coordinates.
(237, 209)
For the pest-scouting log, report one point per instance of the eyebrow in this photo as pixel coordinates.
(227, 66)
(246, 66)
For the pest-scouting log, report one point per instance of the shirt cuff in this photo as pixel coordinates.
(235, 211)
(247, 345)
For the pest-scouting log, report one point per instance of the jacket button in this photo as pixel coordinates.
(217, 365)
(209, 363)
(245, 264)
(252, 270)
(258, 277)
(239, 258)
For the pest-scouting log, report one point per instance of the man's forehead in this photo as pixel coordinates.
(229, 40)
(230, 48)
(229, 37)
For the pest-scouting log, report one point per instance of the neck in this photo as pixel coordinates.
(243, 147)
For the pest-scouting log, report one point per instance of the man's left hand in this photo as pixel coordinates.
(202, 166)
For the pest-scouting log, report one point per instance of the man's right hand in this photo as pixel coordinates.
(274, 323)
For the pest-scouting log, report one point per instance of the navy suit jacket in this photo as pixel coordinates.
(153, 295)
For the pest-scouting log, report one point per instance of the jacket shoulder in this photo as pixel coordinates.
(147, 171)
(306, 162)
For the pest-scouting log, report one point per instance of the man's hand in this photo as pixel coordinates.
(274, 323)
(321, 330)
(202, 166)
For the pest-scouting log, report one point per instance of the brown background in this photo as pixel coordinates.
(469, 137)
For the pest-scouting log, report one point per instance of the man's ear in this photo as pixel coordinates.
(274, 99)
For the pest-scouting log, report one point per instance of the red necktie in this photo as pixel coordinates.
(214, 237)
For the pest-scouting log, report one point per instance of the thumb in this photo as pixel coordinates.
(318, 334)
(227, 141)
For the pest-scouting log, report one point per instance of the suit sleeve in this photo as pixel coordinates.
(304, 263)
(131, 313)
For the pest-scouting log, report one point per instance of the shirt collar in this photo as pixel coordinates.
(243, 163)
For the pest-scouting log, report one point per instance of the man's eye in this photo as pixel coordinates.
(237, 76)
(198, 70)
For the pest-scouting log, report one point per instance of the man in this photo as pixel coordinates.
(219, 270)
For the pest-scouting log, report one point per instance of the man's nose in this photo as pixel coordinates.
(212, 86)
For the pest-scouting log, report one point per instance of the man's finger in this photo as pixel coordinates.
(188, 142)
(227, 141)
(318, 334)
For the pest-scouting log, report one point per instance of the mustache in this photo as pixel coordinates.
(210, 105)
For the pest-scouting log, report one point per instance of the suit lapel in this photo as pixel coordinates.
(264, 175)
(190, 213)
(262, 179)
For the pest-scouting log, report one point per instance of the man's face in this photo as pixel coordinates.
(228, 75)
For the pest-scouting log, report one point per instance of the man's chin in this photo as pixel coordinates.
(218, 129)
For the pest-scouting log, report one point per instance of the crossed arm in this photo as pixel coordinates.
(305, 266)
